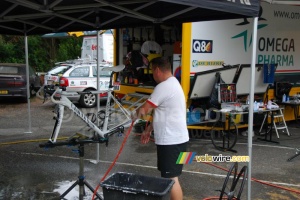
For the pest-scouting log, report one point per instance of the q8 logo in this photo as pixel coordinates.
(202, 46)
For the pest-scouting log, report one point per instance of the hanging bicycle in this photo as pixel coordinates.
(97, 133)
(105, 127)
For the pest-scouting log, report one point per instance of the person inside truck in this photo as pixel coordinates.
(169, 122)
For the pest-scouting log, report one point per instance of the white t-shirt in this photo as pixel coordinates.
(169, 120)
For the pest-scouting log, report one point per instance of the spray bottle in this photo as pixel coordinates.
(283, 98)
(255, 107)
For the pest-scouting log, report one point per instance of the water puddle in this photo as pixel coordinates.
(74, 193)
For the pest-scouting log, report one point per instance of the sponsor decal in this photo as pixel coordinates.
(197, 63)
(116, 86)
(83, 82)
(202, 46)
(280, 50)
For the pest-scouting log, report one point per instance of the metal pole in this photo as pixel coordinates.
(27, 85)
(81, 171)
(98, 88)
(251, 99)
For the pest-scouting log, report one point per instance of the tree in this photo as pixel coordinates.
(9, 48)
(41, 51)
(69, 48)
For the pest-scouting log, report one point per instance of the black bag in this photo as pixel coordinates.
(213, 99)
(135, 59)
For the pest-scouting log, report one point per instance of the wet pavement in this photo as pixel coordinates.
(30, 172)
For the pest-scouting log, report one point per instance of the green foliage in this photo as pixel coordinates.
(9, 50)
(69, 49)
(37, 53)
(42, 52)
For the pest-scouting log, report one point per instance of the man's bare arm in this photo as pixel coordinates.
(144, 110)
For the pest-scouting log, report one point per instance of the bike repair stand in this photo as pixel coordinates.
(296, 154)
(81, 179)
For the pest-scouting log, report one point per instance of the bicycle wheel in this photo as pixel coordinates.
(229, 183)
(238, 188)
(222, 139)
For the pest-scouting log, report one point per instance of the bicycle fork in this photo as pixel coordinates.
(57, 125)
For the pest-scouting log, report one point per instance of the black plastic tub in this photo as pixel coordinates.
(129, 186)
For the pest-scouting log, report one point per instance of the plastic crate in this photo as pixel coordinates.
(193, 117)
(128, 186)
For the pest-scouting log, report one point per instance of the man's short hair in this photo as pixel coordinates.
(162, 63)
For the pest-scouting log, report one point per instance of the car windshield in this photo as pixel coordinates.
(102, 73)
(58, 70)
(12, 70)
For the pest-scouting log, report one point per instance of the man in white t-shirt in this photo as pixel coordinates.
(169, 122)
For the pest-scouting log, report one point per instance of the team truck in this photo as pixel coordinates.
(211, 45)
(106, 47)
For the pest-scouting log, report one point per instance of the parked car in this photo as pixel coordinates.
(83, 78)
(13, 81)
(52, 76)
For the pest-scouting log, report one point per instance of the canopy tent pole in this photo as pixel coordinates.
(28, 83)
(98, 89)
(251, 99)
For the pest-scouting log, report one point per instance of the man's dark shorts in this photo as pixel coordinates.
(167, 156)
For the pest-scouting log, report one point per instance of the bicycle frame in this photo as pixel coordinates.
(62, 101)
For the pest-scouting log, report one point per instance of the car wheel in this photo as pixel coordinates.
(88, 100)
(23, 99)
(32, 92)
